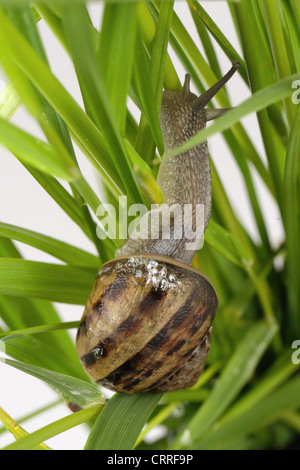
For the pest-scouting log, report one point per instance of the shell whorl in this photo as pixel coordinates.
(132, 327)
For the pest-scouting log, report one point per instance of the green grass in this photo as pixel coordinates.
(248, 395)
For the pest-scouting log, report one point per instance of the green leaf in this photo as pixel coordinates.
(145, 143)
(16, 430)
(86, 134)
(121, 421)
(35, 152)
(224, 242)
(76, 393)
(261, 415)
(292, 225)
(38, 329)
(55, 428)
(223, 42)
(80, 39)
(9, 102)
(116, 54)
(68, 253)
(67, 284)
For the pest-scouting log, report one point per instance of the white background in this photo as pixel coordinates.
(24, 203)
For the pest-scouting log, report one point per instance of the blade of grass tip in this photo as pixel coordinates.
(17, 431)
(76, 22)
(121, 421)
(77, 393)
(221, 39)
(145, 144)
(234, 377)
(55, 428)
(292, 226)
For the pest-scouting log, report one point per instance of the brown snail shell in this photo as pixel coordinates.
(147, 324)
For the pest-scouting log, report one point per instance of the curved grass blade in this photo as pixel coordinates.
(55, 428)
(38, 329)
(63, 251)
(17, 431)
(67, 284)
(224, 242)
(35, 152)
(121, 414)
(261, 415)
(77, 393)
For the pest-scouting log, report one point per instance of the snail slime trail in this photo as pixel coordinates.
(147, 322)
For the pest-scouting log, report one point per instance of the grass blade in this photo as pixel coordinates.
(9, 102)
(35, 152)
(67, 284)
(292, 226)
(76, 393)
(55, 428)
(58, 249)
(116, 53)
(121, 413)
(17, 431)
(223, 42)
(76, 23)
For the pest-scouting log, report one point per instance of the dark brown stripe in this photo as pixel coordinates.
(151, 300)
(129, 325)
(114, 290)
(176, 347)
(123, 374)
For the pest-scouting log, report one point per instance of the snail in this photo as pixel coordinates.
(147, 322)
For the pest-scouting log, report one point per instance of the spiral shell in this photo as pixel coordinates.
(147, 325)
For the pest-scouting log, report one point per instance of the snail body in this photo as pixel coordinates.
(147, 322)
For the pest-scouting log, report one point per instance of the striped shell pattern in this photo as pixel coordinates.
(147, 325)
